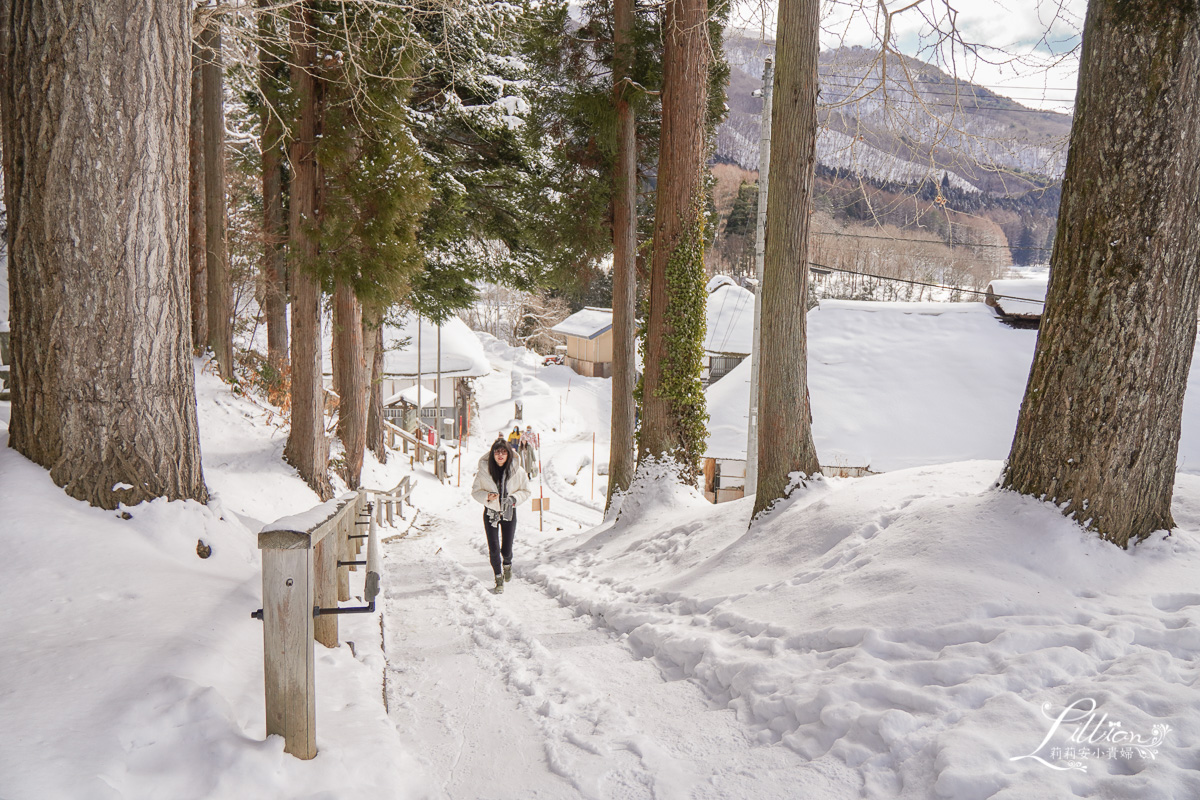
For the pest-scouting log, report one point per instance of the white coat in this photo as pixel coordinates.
(517, 483)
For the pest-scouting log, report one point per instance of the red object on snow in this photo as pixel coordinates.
(431, 435)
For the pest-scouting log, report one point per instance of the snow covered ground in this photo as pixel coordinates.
(914, 634)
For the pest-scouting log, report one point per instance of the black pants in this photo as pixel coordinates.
(500, 540)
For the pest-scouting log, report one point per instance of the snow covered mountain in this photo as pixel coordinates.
(902, 120)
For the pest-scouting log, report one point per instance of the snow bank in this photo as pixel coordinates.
(132, 667)
(919, 626)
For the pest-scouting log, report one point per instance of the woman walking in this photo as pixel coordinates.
(501, 485)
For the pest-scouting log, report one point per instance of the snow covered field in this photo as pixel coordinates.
(913, 634)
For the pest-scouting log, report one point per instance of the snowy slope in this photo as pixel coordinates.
(132, 668)
(914, 626)
(896, 385)
(903, 635)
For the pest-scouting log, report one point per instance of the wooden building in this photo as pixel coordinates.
(589, 341)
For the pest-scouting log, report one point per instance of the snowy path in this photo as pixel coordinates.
(526, 695)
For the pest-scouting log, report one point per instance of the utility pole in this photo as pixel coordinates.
(764, 164)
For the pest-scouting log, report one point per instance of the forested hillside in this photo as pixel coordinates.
(911, 151)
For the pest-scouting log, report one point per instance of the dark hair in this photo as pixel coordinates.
(494, 469)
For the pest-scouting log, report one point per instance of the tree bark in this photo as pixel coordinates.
(274, 235)
(622, 447)
(677, 204)
(307, 449)
(785, 442)
(352, 419)
(220, 311)
(197, 242)
(373, 355)
(95, 128)
(1098, 431)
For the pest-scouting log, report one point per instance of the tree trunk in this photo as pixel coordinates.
(307, 449)
(672, 394)
(96, 189)
(220, 311)
(622, 449)
(1098, 432)
(352, 419)
(785, 442)
(197, 243)
(373, 355)
(274, 234)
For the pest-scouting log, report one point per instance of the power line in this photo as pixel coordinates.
(962, 95)
(925, 241)
(922, 283)
(955, 106)
(961, 82)
(963, 86)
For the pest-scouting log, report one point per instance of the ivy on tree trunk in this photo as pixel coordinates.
(672, 395)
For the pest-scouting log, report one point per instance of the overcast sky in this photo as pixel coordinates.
(1023, 49)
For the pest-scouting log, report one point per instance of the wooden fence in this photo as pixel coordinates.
(421, 450)
(306, 563)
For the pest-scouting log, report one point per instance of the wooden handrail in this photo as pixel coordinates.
(305, 570)
(424, 449)
(390, 502)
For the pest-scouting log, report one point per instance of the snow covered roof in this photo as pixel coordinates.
(409, 395)
(717, 281)
(1031, 290)
(586, 324)
(462, 352)
(730, 317)
(927, 363)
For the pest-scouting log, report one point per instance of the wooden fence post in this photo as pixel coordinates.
(325, 590)
(288, 648)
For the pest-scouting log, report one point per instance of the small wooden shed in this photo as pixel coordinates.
(589, 337)
(1019, 301)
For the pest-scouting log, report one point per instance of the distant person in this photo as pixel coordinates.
(529, 446)
(514, 438)
(501, 485)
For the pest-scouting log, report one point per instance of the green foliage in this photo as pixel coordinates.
(680, 383)
(471, 108)
(376, 188)
(743, 216)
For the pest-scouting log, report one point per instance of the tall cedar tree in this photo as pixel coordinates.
(1098, 431)
(307, 449)
(272, 84)
(605, 129)
(785, 442)
(217, 284)
(622, 446)
(597, 77)
(674, 417)
(197, 230)
(375, 193)
(103, 383)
